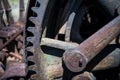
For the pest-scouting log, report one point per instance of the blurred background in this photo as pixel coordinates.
(15, 8)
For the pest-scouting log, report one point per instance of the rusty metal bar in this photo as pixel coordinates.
(12, 38)
(110, 61)
(57, 44)
(8, 10)
(22, 9)
(76, 59)
(1, 20)
(1, 14)
(13, 68)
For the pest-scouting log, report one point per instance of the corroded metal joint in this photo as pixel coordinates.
(74, 60)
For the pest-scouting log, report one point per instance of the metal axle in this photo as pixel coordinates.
(76, 59)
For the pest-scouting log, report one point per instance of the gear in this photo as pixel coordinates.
(32, 39)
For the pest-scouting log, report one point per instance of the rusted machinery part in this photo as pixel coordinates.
(33, 53)
(53, 16)
(8, 9)
(11, 39)
(77, 59)
(77, 24)
(8, 34)
(84, 76)
(110, 61)
(1, 15)
(22, 11)
(58, 44)
(13, 69)
(14, 28)
(55, 69)
(70, 7)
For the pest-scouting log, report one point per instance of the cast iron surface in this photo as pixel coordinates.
(37, 61)
(32, 39)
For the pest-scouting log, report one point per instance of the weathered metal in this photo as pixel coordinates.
(69, 26)
(21, 10)
(3, 55)
(76, 59)
(38, 67)
(35, 61)
(110, 61)
(84, 76)
(1, 69)
(13, 69)
(75, 34)
(1, 20)
(55, 69)
(6, 32)
(58, 44)
(9, 31)
(1, 15)
(12, 38)
(8, 10)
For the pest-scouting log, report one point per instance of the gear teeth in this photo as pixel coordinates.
(31, 29)
(38, 1)
(33, 67)
(35, 9)
(33, 77)
(30, 39)
(30, 73)
(30, 58)
(33, 19)
(30, 63)
(30, 49)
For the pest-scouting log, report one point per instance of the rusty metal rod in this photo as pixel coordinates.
(8, 10)
(76, 59)
(110, 61)
(1, 14)
(22, 10)
(57, 44)
(12, 38)
(1, 20)
(13, 69)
